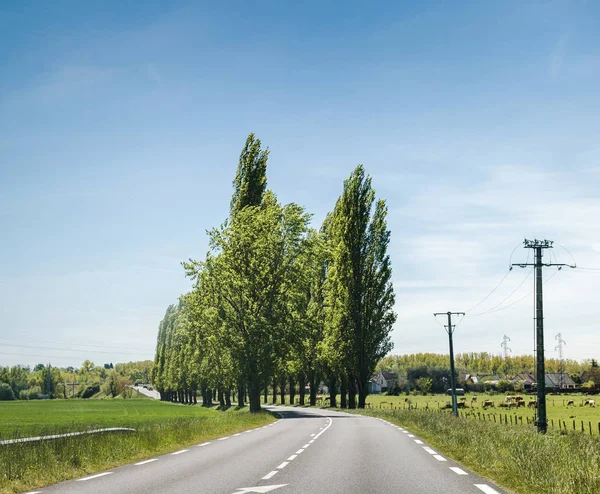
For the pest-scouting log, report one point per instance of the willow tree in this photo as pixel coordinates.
(359, 285)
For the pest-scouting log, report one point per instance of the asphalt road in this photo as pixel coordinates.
(151, 394)
(309, 451)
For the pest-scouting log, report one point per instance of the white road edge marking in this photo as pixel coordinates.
(145, 462)
(299, 451)
(223, 438)
(458, 471)
(238, 434)
(179, 452)
(429, 450)
(283, 465)
(439, 458)
(486, 488)
(313, 434)
(93, 476)
(269, 475)
(405, 432)
(311, 441)
(418, 441)
(293, 457)
(306, 446)
(204, 444)
(34, 492)
(411, 435)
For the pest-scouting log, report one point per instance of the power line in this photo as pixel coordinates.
(75, 350)
(506, 298)
(501, 281)
(72, 343)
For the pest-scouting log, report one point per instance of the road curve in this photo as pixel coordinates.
(308, 451)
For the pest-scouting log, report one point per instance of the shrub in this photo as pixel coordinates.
(6, 392)
(89, 391)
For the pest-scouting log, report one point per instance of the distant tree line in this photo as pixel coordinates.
(276, 304)
(45, 381)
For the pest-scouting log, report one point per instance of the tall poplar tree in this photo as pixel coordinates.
(359, 285)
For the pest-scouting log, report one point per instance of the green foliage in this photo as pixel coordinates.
(6, 392)
(359, 294)
(505, 386)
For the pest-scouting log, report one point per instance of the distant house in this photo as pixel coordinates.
(386, 380)
(526, 380)
(373, 387)
(560, 381)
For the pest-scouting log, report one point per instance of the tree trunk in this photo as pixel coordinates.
(343, 403)
(221, 398)
(254, 395)
(282, 389)
(228, 398)
(209, 397)
(274, 391)
(302, 390)
(351, 392)
(240, 393)
(292, 390)
(195, 394)
(362, 393)
(332, 385)
(266, 391)
(313, 388)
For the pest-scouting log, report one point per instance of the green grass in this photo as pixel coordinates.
(516, 457)
(160, 428)
(33, 418)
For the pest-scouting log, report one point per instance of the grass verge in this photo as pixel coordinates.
(28, 466)
(515, 457)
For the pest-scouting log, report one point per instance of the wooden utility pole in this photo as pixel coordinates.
(450, 331)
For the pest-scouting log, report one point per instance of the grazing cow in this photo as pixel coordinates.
(571, 402)
(473, 398)
(461, 404)
(520, 403)
(591, 403)
(488, 403)
(532, 403)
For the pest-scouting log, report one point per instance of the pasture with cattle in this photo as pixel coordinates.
(564, 407)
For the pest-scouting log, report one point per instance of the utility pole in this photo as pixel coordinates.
(539, 246)
(504, 345)
(561, 368)
(450, 331)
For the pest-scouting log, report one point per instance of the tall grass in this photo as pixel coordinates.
(26, 466)
(516, 457)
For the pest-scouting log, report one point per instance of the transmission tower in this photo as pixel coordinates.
(561, 367)
(505, 349)
(539, 246)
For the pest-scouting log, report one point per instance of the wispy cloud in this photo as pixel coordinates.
(557, 56)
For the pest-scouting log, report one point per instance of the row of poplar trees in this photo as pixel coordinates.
(277, 304)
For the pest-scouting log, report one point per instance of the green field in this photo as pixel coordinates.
(33, 418)
(160, 428)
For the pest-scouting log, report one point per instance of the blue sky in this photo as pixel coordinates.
(121, 124)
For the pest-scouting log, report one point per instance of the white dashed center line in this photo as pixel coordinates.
(283, 465)
(293, 457)
(94, 476)
(179, 452)
(311, 441)
(486, 488)
(458, 471)
(306, 445)
(299, 451)
(145, 462)
(269, 475)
